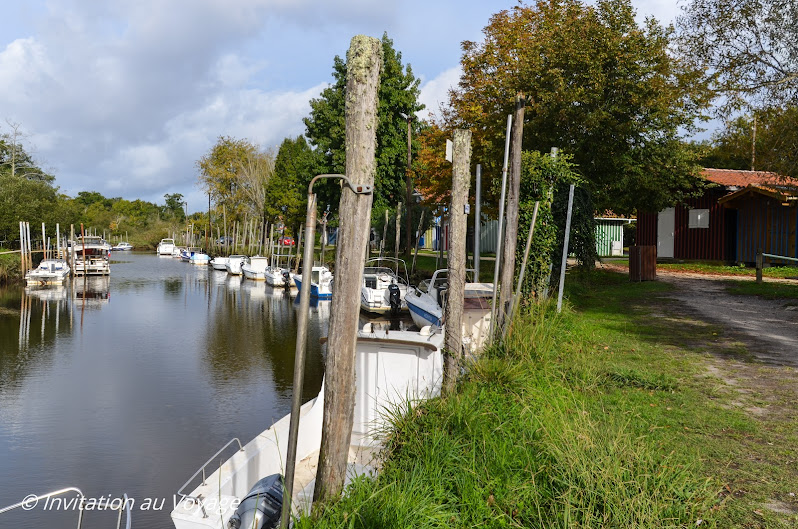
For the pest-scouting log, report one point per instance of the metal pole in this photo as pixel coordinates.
(565, 247)
(501, 226)
(517, 296)
(477, 222)
(299, 360)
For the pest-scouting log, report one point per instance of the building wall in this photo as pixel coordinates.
(762, 222)
(691, 243)
(607, 231)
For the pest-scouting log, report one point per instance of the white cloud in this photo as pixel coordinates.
(435, 92)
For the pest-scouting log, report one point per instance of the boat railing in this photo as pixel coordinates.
(32, 500)
(202, 470)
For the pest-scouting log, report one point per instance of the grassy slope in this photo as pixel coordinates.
(602, 417)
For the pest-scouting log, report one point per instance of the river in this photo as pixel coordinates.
(128, 384)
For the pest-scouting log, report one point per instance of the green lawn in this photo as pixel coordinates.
(609, 415)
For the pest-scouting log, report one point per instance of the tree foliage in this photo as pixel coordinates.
(326, 127)
(286, 193)
(776, 147)
(748, 47)
(597, 85)
(235, 172)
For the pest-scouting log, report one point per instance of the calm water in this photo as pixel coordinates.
(129, 384)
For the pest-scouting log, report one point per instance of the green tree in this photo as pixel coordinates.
(749, 48)
(173, 207)
(776, 147)
(326, 127)
(286, 193)
(598, 86)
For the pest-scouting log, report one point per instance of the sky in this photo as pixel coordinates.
(124, 96)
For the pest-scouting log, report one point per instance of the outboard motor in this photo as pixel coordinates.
(286, 279)
(261, 507)
(395, 299)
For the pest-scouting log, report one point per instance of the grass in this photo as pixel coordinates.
(763, 290)
(604, 416)
(719, 269)
(9, 268)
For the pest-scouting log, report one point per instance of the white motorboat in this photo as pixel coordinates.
(234, 264)
(177, 252)
(426, 304)
(278, 277)
(199, 258)
(255, 268)
(91, 256)
(185, 255)
(392, 369)
(219, 263)
(321, 282)
(49, 272)
(166, 247)
(384, 288)
(122, 247)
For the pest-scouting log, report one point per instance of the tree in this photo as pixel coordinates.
(748, 47)
(775, 149)
(286, 192)
(235, 173)
(173, 208)
(597, 86)
(398, 95)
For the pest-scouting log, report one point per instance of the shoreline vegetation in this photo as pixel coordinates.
(607, 415)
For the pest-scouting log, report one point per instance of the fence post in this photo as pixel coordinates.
(759, 265)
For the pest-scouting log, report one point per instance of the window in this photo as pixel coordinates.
(699, 218)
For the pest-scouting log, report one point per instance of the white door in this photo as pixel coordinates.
(666, 225)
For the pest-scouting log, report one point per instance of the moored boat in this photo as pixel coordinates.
(256, 268)
(219, 263)
(392, 370)
(91, 256)
(166, 247)
(49, 272)
(321, 282)
(199, 258)
(122, 247)
(384, 288)
(234, 264)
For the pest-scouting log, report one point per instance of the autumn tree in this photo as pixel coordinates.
(235, 172)
(597, 85)
(748, 47)
(325, 127)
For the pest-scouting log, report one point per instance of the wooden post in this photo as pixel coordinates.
(511, 217)
(364, 60)
(22, 264)
(226, 240)
(398, 231)
(298, 245)
(408, 191)
(760, 264)
(458, 220)
(44, 242)
(384, 234)
(517, 297)
(477, 222)
(500, 231)
(418, 238)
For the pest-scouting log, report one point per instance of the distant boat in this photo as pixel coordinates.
(384, 290)
(200, 258)
(321, 282)
(219, 263)
(234, 264)
(256, 268)
(166, 247)
(49, 272)
(91, 256)
(123, 247)
(185, 255)
(393, 369)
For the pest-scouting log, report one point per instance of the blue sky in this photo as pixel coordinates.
(123, 96)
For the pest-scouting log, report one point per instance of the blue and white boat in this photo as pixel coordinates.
(321, 282)
(123, 247)
(426, 301)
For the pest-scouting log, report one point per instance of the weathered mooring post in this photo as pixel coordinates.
(511, 217)
(364, 61)
(458, 220)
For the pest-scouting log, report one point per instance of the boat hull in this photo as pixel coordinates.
(314, 289)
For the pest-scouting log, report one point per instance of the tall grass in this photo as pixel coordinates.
(9, 268)
(524, 443)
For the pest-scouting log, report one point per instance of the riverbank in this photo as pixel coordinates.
(622, 412)
(9, 268)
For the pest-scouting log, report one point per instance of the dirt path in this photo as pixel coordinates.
(769, 328)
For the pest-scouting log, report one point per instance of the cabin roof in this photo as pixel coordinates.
(740, 178)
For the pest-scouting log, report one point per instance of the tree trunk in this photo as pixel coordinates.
(458, 219)
(364, 60)
(511, 214)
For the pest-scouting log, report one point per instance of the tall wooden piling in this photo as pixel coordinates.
(364, 60)
(458, 219)
(511, 216)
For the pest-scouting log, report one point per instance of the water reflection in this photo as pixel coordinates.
(129, 383)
